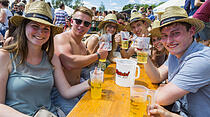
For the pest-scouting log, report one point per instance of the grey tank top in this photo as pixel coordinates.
(29, 86)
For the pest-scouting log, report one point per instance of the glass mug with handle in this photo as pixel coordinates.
(124, 39)
(142, 46)
(107, 40)
(140, 98)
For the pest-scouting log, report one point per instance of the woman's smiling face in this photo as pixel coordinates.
(37, 33)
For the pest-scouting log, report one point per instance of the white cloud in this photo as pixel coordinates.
(131, 2)
(113, 4)
(118, 8)
(150, 1)
(89, 5)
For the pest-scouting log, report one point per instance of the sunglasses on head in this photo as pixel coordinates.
(79, 21)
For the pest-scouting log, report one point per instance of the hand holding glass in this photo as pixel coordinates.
(142, 45)
(124, 39)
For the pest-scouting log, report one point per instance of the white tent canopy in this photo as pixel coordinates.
(161, 8)
(68, 10)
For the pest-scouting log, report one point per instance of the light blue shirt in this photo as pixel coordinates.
(192, 73)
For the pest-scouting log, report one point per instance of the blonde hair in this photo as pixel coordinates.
(84, 10)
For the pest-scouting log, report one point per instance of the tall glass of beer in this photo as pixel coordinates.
(142, 46)
(96, 77)
(124, 39)
(138, 97)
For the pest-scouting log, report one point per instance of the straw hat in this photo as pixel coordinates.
(38, 11)
(136, 16)
(21, 4)
(154, 31)
(176, 14)
(110, 18)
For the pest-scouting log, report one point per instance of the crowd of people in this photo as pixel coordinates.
(46, 56)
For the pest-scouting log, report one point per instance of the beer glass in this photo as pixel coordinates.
(96, 77)
(142, 46)
(107, 40)
(124, 39)
(138, 97)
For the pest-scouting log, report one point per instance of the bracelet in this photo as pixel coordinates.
(99, 56)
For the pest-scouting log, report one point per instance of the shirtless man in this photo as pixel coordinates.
(72, 52)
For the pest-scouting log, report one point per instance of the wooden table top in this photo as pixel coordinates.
(115, 100)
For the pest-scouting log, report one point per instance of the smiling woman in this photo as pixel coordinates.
(30, 68)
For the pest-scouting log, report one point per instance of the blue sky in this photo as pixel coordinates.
(117, 4)
(114, 4)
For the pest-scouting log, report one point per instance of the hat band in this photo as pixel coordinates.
(134, 19)
(36, 15)
(170, 19)
(111, 20)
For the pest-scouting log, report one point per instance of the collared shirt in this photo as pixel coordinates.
(192, 73)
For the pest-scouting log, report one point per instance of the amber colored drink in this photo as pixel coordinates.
(137, 107)
(142, 57)
(96, 89)
(124, 44)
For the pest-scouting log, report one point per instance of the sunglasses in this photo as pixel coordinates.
(79, 21)
(112, 26)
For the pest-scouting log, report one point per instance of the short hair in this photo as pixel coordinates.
(84, 10)
(93, 8)
(106, 12)
(120, 16)
(61, 5)
(4, 2)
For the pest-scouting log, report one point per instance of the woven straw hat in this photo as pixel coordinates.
(136, 16)
(175, 14)
(38, 11)
(154, 31)
(110, 18)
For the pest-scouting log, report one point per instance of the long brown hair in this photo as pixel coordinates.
(20, 46)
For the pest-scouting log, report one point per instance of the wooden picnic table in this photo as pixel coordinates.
(115, 100)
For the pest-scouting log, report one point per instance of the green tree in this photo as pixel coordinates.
(102, 7)
(77, 4)
(56, 3)
(130, 6)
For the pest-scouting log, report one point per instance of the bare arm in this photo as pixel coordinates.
(4, 72)
(69, 60)
(66, 90)
(127, 54)
(92, 44)
(169, 93)
(6, 111)
(2, 16)
(156, 75)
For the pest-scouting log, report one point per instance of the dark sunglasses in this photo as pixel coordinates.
(111, 26)
(79, 21)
